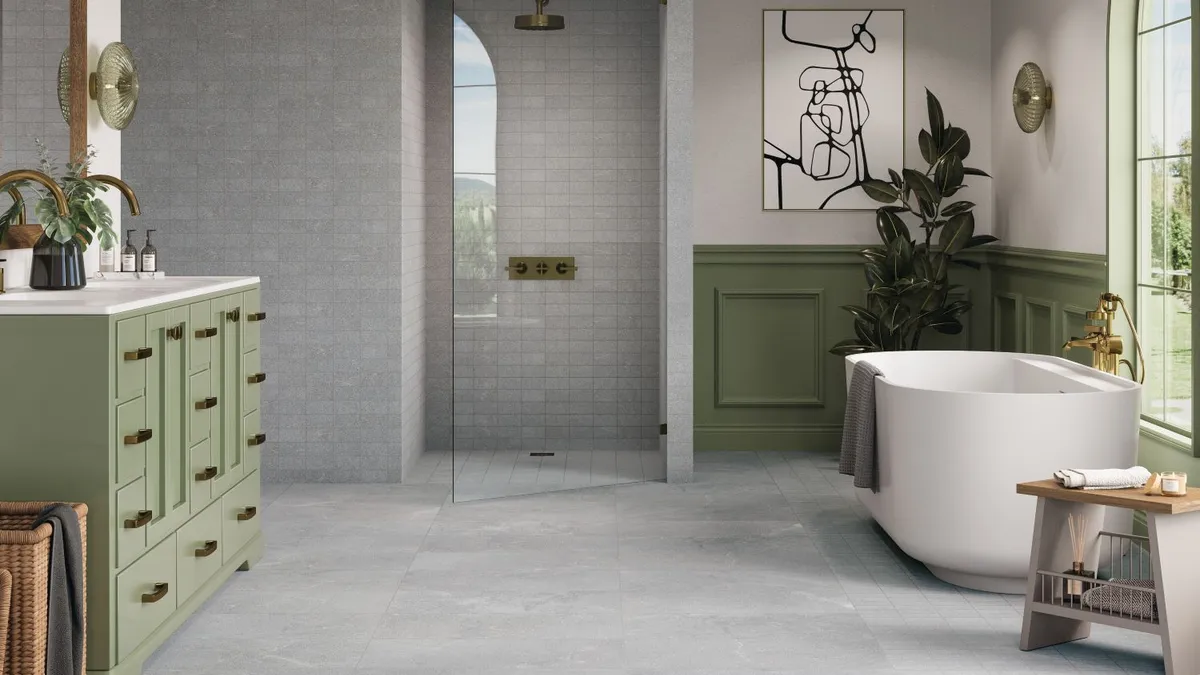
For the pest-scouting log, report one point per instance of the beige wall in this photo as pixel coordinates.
(1050, 185)
(948, 50)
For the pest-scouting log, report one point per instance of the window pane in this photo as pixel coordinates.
(1153, 13)
(1178, 197)
(1151, 321)
(1152, 233)
(1151, 97)
(472, 64)
(475, 266)
(1178, 106)
(475, 130)
(1178, 360)
(1178, 9)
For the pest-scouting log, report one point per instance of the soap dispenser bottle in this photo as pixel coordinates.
(149, 255)
(129, 254)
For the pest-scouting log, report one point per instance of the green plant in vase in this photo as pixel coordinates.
(58, 254)
(909, 279)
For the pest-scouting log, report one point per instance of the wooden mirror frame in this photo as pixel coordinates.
(24, 236)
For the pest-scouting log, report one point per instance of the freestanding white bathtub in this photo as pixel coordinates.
(958, 430)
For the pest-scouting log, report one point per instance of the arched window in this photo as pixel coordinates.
(1164, 209)
(474, 175)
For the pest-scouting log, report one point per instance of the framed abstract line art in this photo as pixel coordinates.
(833, 106)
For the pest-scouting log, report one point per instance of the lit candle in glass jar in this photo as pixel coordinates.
(1174, 484)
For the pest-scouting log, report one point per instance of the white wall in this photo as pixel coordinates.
(948, 51)
(1050, 186)
(104, 27)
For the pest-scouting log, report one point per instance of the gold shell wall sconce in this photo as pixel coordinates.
(114, 86)
(1033, 97)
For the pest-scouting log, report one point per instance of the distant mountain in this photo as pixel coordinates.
(473, 187)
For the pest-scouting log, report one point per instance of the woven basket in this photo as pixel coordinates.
(5, 604)
(25, 553)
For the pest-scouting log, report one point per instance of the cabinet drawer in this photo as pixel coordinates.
(253, 382)
(201, 465)
(132, 439)
(199, 552)
(239, 516)
(131, 522)
(254, 439)
(199, 420)
(132, 354)
(200, 318)
(252, 319)
(146, 596)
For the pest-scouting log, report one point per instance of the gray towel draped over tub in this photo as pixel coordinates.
(64, 646)
(860, 451)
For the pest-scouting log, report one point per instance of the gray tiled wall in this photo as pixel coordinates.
(271, 141)
(33, 35)
(570, 365)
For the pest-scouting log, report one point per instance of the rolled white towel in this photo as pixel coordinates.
(1102, 479)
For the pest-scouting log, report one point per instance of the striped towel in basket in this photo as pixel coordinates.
(1123, 601)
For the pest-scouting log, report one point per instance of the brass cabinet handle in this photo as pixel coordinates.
(257, 378)
(143, 519)
(257, 316)
(257, 439)
(160, 592)
(204, 333)
(210, 547)
(210, 402)
(208, 473)
(175, 333)
(248, 514)
(142, 436)
(140, 355)
(234, 315)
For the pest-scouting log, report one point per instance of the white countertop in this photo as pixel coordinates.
(107, 297)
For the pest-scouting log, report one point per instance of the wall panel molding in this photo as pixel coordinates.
(759, 325)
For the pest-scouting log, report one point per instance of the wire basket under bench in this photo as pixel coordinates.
(1147, 584)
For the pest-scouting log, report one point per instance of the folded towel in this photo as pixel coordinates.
(860, 451)
(1124, 601)
(1102, 479)
(64, 649)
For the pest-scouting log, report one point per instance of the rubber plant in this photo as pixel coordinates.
(908, 280)
(89, 218)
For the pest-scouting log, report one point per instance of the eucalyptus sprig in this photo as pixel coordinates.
(88, 218)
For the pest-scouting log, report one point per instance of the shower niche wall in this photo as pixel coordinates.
(556, 383)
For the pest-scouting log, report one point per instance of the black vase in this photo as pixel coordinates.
(57, 266)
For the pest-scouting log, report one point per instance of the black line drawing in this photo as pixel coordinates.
(832, 142)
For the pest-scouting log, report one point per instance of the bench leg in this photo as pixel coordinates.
(1051, 551)
(1174, 551)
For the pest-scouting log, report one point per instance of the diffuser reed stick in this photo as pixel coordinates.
(1078, 527)
(1073, 590)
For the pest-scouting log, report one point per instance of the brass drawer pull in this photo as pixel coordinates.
(210, 547)
(234, 315)
(175, 333)
(143, 519)
(248, 514)
(205, 333)
(257, 378)
(142, 436)
(160, 592)
(210, 402)
(209, 473)
(257, 316)
(140, 355)
(257, 439)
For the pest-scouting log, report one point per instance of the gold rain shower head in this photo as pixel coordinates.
(540, 20)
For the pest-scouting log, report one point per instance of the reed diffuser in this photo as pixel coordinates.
(1073, 589)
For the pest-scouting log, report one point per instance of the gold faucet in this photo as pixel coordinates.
(1107, 347)
(60, 199)
(22, 219)
(135, 209)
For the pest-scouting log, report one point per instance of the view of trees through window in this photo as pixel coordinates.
(1164, 277)
(475, 263)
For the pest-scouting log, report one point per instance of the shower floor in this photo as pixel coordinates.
(487, 474)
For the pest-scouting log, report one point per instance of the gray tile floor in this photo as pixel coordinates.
(765, 564)
(489, 474)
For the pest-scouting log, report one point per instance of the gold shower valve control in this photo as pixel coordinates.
(541, 269)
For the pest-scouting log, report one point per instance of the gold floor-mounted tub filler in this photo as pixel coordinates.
(1106, 347)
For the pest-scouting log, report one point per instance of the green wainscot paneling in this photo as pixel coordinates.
(766, 317)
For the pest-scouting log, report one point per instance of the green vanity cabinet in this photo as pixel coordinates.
(152, 417)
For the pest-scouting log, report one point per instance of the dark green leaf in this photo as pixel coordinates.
(947, 326)
(881, 191)
(937, 118)
(968, 263)
(955, 142)
(921, 185)
(949, 176)
(957, 208)
(861, 313)
(928, 209)
(939, 266)
(929, 147)
(867, 332)
(890, 226)
(875, 274)
(850, 347)
(957, 232)
(874, 254)
(980, 240)
(899, 259)
(976, 172)
(897, 181)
